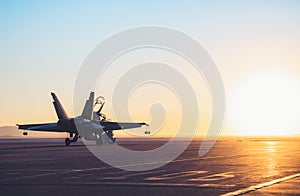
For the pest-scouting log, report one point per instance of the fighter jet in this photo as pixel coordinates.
(90, 125)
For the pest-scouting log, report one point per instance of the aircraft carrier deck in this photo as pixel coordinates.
(232, 167)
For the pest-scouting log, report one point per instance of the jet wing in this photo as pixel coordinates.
(110, 126)
(48, 127)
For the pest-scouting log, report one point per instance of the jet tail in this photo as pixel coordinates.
(88, 107)
(61, 113)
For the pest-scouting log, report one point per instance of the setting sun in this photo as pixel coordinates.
(266, 104)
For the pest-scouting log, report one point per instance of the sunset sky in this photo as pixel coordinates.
(255, 45)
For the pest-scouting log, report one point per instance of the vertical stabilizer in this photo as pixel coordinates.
(88, 107)
(61, 113)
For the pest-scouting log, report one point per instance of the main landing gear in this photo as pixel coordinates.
(74, 139)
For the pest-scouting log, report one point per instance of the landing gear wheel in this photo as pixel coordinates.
(67, 141)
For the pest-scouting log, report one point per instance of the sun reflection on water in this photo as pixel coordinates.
(271, 146)
(271, 163)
